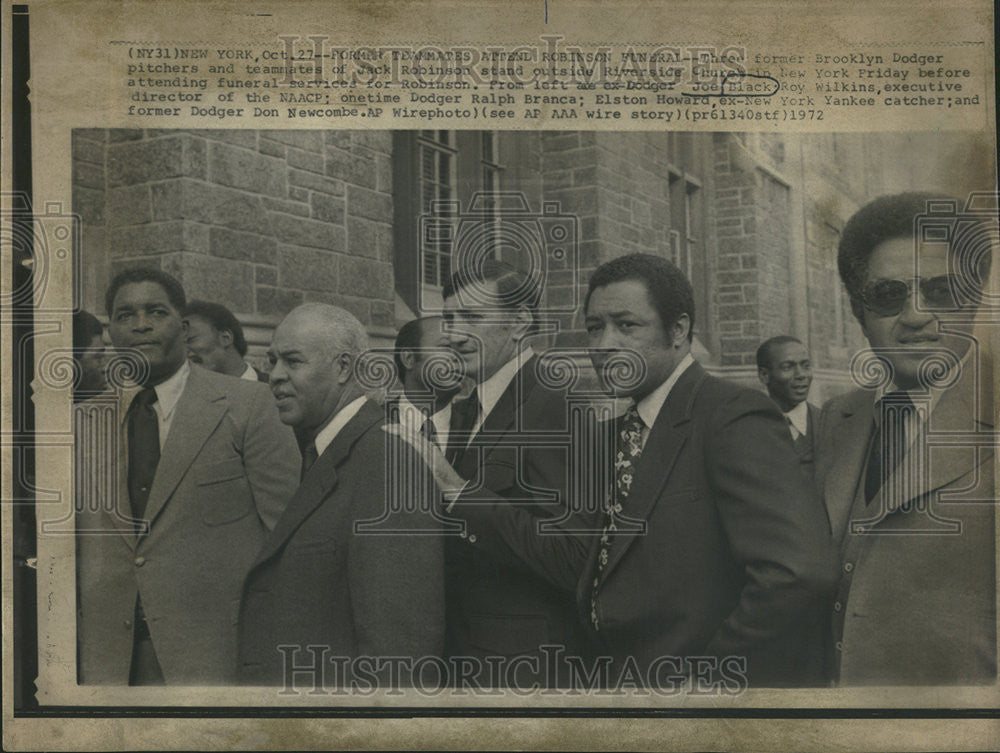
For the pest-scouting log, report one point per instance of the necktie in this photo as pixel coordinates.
(463, 418)
(889, 443)
(796, 434)
(309, 456)
(429, 431)
(143, 449)
(629, 449)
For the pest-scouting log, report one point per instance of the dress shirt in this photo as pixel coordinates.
(649, 407)
(249, 373)
(413, 416)
(489, 391)
(914, 419)
(168, 393)
(329, 432)
(798, 420)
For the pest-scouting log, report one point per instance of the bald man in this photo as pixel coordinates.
(330, 591)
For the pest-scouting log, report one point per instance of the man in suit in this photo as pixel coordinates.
(712, 542)
(430, 375)
(499, 609)
(785, 370)
(215, 340)
(204, 470)
(348, 575)
(906, 465)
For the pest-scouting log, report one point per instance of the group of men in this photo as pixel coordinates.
(483, 527)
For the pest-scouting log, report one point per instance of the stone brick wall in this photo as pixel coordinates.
(259, 221)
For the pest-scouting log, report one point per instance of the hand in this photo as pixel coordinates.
(445, 476)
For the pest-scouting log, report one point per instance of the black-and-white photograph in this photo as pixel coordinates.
(488, 412)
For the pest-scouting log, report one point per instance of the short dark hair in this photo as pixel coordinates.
(767, 347)
(408, 339)
(669, 290)
(514, 288)
(169, 283)
(86, 327)
(895, 216)
(221, 318)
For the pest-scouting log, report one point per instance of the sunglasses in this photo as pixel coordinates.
(888, 297)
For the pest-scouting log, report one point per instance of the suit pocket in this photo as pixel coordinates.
(224, 490)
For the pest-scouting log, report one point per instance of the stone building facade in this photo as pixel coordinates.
(264, 220)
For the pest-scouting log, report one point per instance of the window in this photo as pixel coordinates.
(685, 220)
(435, 175)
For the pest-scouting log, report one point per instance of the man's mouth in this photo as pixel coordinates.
(917, 339)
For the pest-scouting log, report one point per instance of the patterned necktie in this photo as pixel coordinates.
(309, 456)
(628, 452)
(143, 449)
(889, 443)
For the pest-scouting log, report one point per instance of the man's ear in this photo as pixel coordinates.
(763, 375)
(408, 357)
(226, 337)
(679, 330)
(345, 361)
(523, 320)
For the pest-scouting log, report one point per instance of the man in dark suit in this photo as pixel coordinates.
(906, 465)
(347, 575)
(430, 374)
(785, 370)
(499, 610)
(202, 468)
(215, 340)
(714, 543)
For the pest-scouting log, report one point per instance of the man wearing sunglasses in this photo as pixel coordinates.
(906, 466)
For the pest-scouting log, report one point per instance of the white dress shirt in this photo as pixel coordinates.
(798, 420)
(329, 432)
(649, 407)
(168, 393)
(489, 391)
(249, 374)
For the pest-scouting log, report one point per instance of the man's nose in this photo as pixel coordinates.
(277, 373)
(143, 322)
(915, 314)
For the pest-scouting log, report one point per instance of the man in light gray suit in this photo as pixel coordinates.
(906, 465)
(203, 471)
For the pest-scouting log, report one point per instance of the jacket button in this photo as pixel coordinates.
(837, 606)
(848, 566)
(472, 538)
(127, 623)
(840, 645)
(140, 561)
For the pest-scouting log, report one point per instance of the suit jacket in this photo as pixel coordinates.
(325, 577)
(736, 553)
(226, 471)
(499, 605)
(916, 602)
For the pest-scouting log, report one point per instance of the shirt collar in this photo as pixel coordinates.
(799, 417)
(168, 392)
(934, 393)
(249, 373)
(490, 390)
(649, 407)
(413, 415)
(329, 432)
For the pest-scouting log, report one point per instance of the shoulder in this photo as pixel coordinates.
(724, 398)
(235, 388)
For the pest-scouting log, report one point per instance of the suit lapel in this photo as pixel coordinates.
(504, 417)
(667, 436)
(198, 411)
(321, 479)
(955, 412)
(121, 515)
(853, 431)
